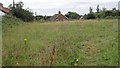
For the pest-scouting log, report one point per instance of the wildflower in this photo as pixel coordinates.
(77, 60)
(75, 64)
(25, 39)
(17, 63)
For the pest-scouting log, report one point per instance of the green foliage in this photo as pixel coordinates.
(39, 17)
(108, 13)
(41, 21)
(9, 21)
(72, 15)
(89, 16)
(102, 14)
(98, 15)
(23, 14)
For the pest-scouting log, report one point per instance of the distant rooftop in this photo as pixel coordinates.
(3, 9)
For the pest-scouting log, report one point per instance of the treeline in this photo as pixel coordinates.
(26, 15)
(99, 14)
(102, 13)
(70, 15)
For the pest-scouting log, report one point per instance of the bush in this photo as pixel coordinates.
(89, 16)
(19, 12)
(108, 13)
(42, 21)
(72, 15)
(23, 14)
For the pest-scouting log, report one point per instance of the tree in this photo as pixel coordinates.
(98, 15)
(114, 9)
(91, 10)
(103, 9)
(38, 17)
(19, 5)
(21, 13)
(98, 10)
(108, 13)
(89, 16)
(72, 15)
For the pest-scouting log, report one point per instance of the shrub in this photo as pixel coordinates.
(23, 14)
(19, 12)
(42, 21)
(89, 16)
(72, 15)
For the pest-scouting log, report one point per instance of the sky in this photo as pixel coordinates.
(51, 7)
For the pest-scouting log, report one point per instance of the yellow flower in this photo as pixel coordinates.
(25, 39)
(17, 63)
(75, 64)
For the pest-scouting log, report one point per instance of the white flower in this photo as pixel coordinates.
(77, 60)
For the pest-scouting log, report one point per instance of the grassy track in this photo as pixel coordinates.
(93, 42)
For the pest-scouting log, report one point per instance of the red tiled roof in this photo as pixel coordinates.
(54, 17)
(5, 10)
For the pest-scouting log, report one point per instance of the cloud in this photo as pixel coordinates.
(50, 7)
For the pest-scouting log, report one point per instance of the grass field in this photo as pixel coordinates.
(92, 42)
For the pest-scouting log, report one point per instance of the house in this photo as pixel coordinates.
(58, 17)
(2, 13)
(3, 9)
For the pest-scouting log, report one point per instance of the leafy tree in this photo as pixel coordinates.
(72, 15)
(98, 9)
(103, 9)
(98, 15)
(89, 16)
(39, 17)
(91, 10)
(114, 9)
(21, 13)
(108, 13)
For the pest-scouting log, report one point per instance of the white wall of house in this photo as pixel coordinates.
(1, 13)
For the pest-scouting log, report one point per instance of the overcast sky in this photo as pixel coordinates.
(51, 7)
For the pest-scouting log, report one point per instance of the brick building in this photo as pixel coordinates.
(58, 17)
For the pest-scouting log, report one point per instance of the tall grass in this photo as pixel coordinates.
(9, 22)
(93, 42)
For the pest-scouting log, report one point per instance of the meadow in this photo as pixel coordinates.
(91, 42)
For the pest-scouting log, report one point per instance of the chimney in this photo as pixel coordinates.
(59, 12)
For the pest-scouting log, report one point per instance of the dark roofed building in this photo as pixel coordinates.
(58, 17)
